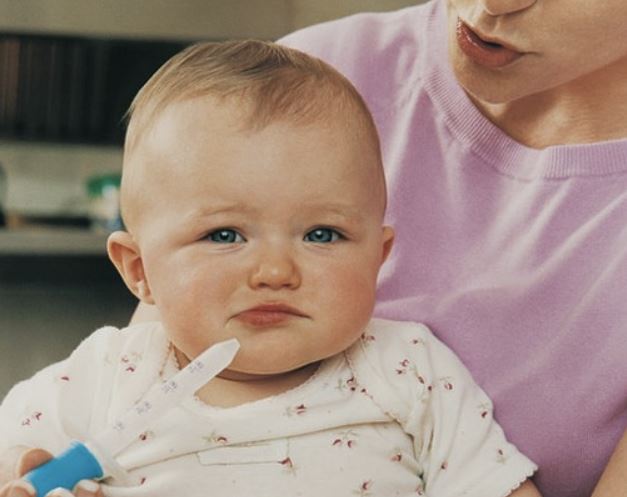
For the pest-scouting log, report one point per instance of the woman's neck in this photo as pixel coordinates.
(590, 109)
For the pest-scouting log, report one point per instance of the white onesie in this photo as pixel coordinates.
(395, 415)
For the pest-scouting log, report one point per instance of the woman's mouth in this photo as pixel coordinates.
(485, 53)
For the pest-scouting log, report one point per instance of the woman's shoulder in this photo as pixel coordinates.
(365, 30)
(369, 48)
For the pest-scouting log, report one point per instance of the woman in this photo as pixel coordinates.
(504, 126)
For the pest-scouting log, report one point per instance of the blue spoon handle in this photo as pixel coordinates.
(76, 463)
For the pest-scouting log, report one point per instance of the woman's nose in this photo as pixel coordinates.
(275, 271)
(503, 7)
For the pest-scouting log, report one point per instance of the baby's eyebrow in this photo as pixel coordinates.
(345, 211)
(341, 211)
(205, 212)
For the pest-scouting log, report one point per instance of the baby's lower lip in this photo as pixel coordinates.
(481, 52)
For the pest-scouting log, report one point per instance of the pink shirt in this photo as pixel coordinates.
(515, 257)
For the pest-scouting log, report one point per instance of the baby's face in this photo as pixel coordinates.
(272, 236)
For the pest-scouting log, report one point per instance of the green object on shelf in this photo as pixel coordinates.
(96, 185)
(104, 202)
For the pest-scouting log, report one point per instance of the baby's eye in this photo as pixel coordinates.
(225, 236)
(323, 235)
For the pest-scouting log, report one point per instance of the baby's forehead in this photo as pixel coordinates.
(208, 136)
(209, 124)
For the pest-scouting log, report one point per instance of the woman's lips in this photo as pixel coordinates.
(268, 315)
(487, 54)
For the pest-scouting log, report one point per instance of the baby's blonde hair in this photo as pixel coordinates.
(279, 83)
(272, 82)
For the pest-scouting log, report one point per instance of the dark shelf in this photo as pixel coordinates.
(72, 89)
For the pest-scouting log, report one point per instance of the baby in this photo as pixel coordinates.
(253, 196)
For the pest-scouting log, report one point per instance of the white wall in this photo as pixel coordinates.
(180, 18)
(149, 18)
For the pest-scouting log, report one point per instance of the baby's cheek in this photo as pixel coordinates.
(351, 292)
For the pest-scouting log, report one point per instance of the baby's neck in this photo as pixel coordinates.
(230, 390)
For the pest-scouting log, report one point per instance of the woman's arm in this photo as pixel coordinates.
(527, 489)
(613, 482)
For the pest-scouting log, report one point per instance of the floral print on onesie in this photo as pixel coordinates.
(395, 415)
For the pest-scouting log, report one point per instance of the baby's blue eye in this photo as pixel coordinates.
(323, 235)
(225, 236)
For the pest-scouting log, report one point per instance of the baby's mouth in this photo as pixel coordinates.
(266, 315)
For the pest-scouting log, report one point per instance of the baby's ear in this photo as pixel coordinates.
(126, 257)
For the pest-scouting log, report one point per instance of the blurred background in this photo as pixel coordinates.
(68, 71)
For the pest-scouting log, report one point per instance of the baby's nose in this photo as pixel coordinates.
(275, 271)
